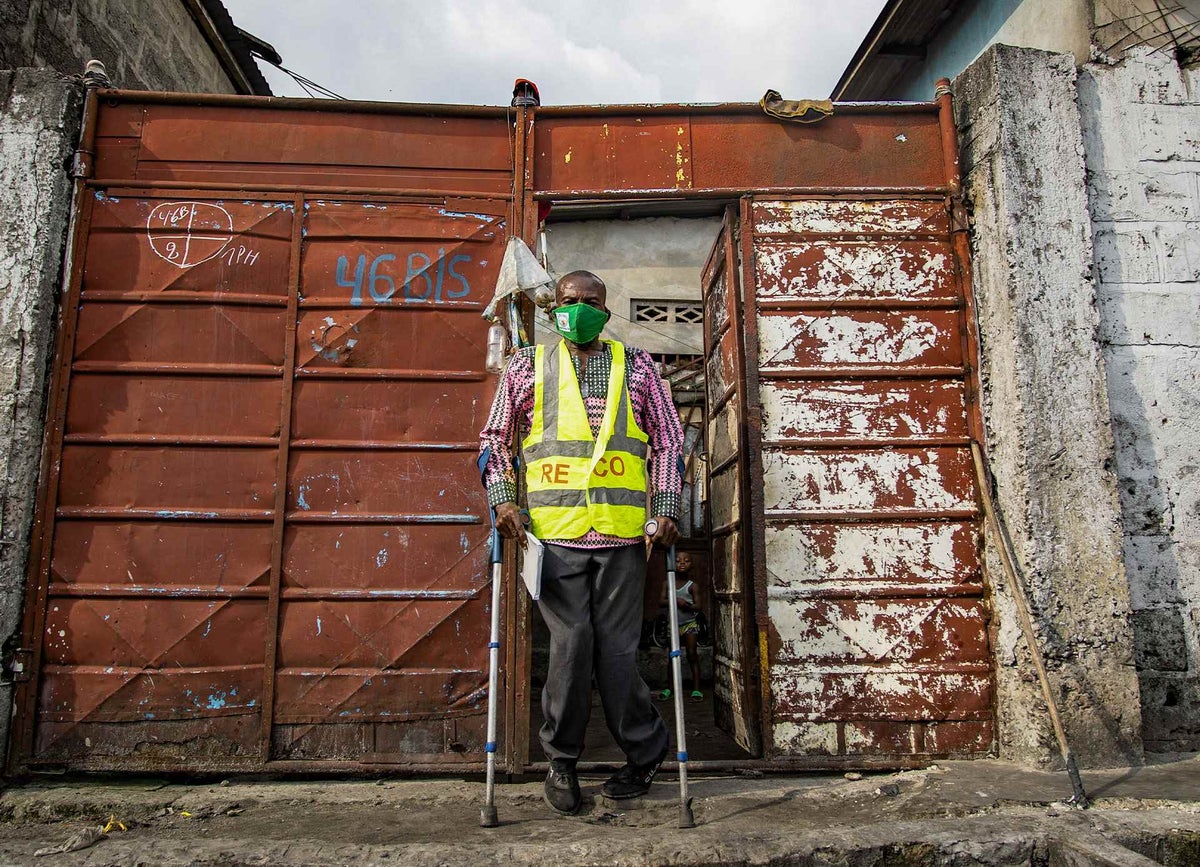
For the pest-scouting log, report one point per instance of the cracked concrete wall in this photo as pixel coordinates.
(1046, 409)
(144, 44)
(39, 125)
(1141, 129)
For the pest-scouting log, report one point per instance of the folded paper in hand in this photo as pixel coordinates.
(531, 565)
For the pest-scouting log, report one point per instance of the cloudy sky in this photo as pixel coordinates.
(578, 51)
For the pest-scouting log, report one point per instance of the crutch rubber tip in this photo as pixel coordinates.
(488, 818)
(686, 819)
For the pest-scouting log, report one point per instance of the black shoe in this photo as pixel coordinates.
(561, 791)
(632, 781)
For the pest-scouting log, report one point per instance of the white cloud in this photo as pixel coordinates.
(578, 51)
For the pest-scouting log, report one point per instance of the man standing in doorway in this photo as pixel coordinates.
(589, 412)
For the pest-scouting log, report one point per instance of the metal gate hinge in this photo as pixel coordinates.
(17, 665)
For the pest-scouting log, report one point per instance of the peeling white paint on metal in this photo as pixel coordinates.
(847, 410)
(848, 218)
(805, 738)
(860, 481)
(817, 691)
(864, 630)
(850, 270)
(841, 339)
(899, 630)
(887, 554)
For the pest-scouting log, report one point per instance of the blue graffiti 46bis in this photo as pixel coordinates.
(425, 278)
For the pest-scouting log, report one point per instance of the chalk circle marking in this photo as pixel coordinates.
(188, 233)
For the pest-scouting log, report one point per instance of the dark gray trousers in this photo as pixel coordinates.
(592, 602)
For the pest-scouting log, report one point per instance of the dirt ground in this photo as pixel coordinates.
(961, 813)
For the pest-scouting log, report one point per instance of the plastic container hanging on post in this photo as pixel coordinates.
(497, 348)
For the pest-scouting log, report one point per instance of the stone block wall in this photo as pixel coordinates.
(1141, 130)
(39, 125)
(1046, 410)
(144, 44)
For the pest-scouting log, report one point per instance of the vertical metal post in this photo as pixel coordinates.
(278, 524)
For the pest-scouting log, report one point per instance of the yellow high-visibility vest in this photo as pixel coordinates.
(575, 481)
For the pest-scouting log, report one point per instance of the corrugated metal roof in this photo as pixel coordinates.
(897, 40)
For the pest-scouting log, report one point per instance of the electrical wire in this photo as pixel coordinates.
(308, 85)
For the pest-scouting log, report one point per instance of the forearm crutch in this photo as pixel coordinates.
(488, 817)
(686, 819)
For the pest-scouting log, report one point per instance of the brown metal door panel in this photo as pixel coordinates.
(878, 640)
(862, 693)
(274, 145)
(102, 558)
(914, 631)
(915, 409)
(735, 148)
(383, 615)
(137, 337)
(891, 481)
(106, 406)
(157, 595)
(179, 248)
(374, 643)
(431, 267)
(849, 218)
(389, 560)
(263, 535)
(911, 340)
(723, 436)
(409, 412)
(116, 628)
(822, 271)
(734, 634)
(846, 149)
(381, 342)
(356, 485)
(166, 482)
(113, 668)
(879, 559)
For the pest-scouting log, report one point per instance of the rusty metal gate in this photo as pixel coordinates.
(260, 536)
(265, 538)
(877, 641)
(838, 344)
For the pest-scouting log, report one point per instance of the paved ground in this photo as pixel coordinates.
(961, 813)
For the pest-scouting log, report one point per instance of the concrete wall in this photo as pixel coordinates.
(1051, 25)
(39, 125)
(1141, 128)
(649, 258)
(1046, 408)
(144, 44)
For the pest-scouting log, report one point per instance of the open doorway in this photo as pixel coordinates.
(655, 258)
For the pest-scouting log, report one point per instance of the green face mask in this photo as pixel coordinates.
(579, 323)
